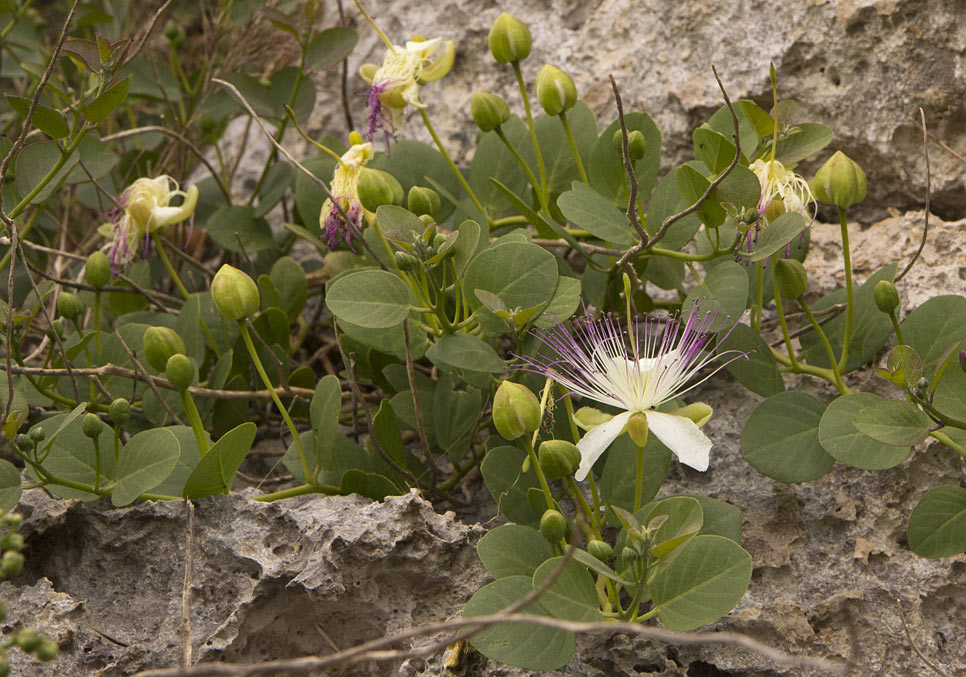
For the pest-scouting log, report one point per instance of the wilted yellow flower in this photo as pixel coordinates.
(345, 189)
(782, 190)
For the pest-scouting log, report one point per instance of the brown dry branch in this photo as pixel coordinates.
(925, 216)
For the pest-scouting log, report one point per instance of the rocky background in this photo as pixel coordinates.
(833, 578)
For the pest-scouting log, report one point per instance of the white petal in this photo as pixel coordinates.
(680, 435)
(595, 443)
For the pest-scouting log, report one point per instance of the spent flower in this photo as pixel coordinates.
(636, 370)
(395, 84)
(782, 190)
(345, 190)
(145, 207)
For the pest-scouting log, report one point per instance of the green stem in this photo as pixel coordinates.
(540, 476)
(781, 320)
(247, 338)
(948, 441)
(301, 490)
(541, 195)
(573, 147)
(194, 418)
(895, 327)
(166, 262)
(452, 165)
(97, 464)
(578, 497)
(97, 321)
(639, 479)
(756, 312)
(847, 258)
(836, 374)
(533, 131)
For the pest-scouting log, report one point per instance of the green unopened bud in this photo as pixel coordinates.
(91, 425)
(556, 91)
(489, 111)
(839, 182)
(11, 563)
(23, 442)
(234, 293)
(516, 410)
(69, 306)
(120, 411)
(553, 526)
(629, 555)
(160, 343)
(378, 188)
(886, 296)
(180, 371)
(27, 639)
(601, 550)
(406, 261)
(791, 278)
(36, 434)
(423, 201)
(97, 270)
(47, 649)
(636, 144)
(12, 541)
(510, 39)
(558, 459)
(174, 33)
(11, 520)
(637, 429)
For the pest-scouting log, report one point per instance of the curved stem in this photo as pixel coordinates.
(836, 374)
(247, 338)
(535, 464)
(847, 259)
(301, 490)
(194, 418)
(166, 262)
(537, 186)
(781, 320)
(573, 147)
(533, 132)
(452, 165)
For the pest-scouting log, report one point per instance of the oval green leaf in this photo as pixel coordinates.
(844, 442)
(777, 235)
(937, 526)
(780, 438)
(901, 424)
(143, 463)
(10, 487)
(462, 351)
(373, 299)
(523, 275)
(513, 550)
(593, 212)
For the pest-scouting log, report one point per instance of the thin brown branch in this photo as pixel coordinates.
(628, 166)
(190, 146)
(674, 218)
(905, 626)
(420, 427)
(925, 216)
(189, 537)
(356, 233)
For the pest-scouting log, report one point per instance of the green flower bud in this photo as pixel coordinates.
(23, 442)
(423, 201)
(47, 650)
(427, 220)
(636, 144)
(91, 425)
(68, 305)
(12, 541)
(886, 296)
(438, 241)
(510, 39)
(637, 429)
(840, 182)
(37, 434)
(553, 526)
(556, 91)
(27, 639)
(180, 371)
(558, 459)
(12, 520)
(516, 410)
(160, 343)
(791, 278)
(97, 270)
(234, 293)
(600, 550)
(378, 188)
(174, 33)
(489, 111)
(55, 330)
(120, 411)
(629, 555)
(11, 563)
(406, 261)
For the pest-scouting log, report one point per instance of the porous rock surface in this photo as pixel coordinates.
(862, 67)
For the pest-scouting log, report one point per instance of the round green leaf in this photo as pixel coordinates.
(894, 422)
(462, 351)
(502, 471)
(572, 596)
(216, 470)
(700, 583)
(527, 646)
(590, 210)
(513, 550)
(10, 488)
(606, 168)
(780, 438)
(374, 299)
(937, 526)
(844, 442)
(777, 235)
(330, 47)
(144, 463)
(523, 275)
(236, 227)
